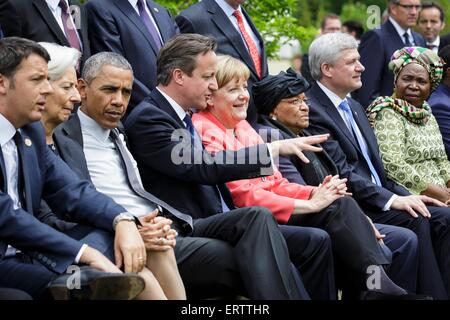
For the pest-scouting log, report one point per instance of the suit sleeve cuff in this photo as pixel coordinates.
(388, 204)
(80, 253)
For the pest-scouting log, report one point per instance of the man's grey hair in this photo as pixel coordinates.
(327, 48)
(93, 66)
(60, 59)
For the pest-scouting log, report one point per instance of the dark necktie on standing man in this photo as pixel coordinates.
(149, 24)
(137, 186)
(69, 27)
(406, 38)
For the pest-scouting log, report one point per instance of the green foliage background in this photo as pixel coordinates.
(299, 19)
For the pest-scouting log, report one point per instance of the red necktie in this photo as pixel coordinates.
(69, 27)
(250, 43)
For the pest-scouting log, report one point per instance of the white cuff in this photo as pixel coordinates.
(80, 253)
(388, 204)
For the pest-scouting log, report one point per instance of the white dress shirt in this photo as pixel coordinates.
(56, 11)
(135, 7)
(106, 168)
(228, 10)
(402, 31)
(336, 100)
(435, 44)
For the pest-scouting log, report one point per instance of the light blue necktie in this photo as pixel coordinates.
(357, 134)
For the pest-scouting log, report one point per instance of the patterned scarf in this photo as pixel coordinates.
(417, 115)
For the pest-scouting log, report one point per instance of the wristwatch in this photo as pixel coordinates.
(127, 217)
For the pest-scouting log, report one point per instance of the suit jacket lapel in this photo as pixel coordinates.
(25, 153)
(50, 20)
(161, 102)
(131, 14)
(71, 132)
(165, 32)
(3, 182)
(334, 114)
(221, 20)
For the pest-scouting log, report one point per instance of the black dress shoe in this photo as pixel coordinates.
(96, 285)
(375, 295)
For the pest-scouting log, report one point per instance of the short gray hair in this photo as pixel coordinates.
(60, 59)
(327, 48)
(94, 64)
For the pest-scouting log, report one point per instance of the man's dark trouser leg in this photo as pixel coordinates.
(310, 251)
(259, 250)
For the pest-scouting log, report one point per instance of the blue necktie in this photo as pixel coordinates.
(149, 24)
(362, 145)
(190, 126)
(407, 42)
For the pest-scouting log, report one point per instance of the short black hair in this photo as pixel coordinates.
(14, 50)
(354, 26)
(429, 5)
(444, 53)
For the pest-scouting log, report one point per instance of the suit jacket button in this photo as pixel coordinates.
(53, 264)
(40, 256)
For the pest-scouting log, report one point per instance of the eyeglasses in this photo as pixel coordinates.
(410, 7)
(296, 101)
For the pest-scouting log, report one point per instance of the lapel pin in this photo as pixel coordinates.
(28, 142)
(156, 9)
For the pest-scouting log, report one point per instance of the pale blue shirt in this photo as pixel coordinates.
(336, 100)
(106, 168)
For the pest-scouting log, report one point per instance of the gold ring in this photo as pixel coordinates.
(140, 258)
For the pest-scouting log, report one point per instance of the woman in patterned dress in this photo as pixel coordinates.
(408, 135)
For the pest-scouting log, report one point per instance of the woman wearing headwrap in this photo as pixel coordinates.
(284, 113)
(408, 135)
(222, 126)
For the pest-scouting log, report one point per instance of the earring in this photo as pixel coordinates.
(274, 117)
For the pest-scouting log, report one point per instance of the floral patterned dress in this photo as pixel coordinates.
(413, 154)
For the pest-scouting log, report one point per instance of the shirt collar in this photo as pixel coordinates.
(53, 4)
(133, 3)
(436, 42)
(178, 109)
(7, 130)
(92, 127)
(227, 8)
(400, 30)
(335, 99)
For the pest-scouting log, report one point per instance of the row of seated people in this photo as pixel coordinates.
(215, 243)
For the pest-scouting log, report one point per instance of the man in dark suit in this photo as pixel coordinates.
(354, 149)
(29, 172)
(431, 22)
(135, 29)
(440, 100)
(378, 45)
(47, 21)
(224, 20)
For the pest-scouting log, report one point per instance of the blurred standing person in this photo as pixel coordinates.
(378, 45)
